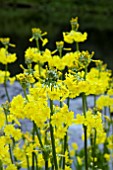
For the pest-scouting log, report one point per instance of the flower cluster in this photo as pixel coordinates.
(49, 77)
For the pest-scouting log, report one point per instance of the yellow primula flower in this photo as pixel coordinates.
(17, 107)
(10, 130)
(79, 119)
(12, 80)
(4, 151)
(37, 34)
(79, 160)
(2, 118)
(75, 146)
(107, 156)
(41, 161)
(6, 57)
(6, 42)
(74, 36)
(44, 41)
(32, 54)
(11, 167)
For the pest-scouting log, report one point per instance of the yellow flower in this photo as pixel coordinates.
(2, 118)
(37, 34)
(67, 167)
(41, 161)
(17, 106)
(79, 119)
(74, 23)
(32, 55)
(107, 156)
(11, 167)
(79, 160)
(74, 146)
(12, 80)
(6, 57)
(72, 153)
(6, 42)
(74, 36)
(11, 131)
(4, 151)
(44, 41)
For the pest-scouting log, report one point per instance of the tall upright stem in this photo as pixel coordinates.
(33, 154)
(65, 138)
(27, 160)
(84, 104)
(93, 149)
(10, 149)
(52, 137)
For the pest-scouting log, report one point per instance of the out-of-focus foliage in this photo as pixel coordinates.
(52, 14)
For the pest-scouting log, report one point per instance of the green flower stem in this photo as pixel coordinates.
(38, 135)
(10, 150)
(93, 148)
(39, 67)
(41, 144)
(60, 53)
(25, 94)
(27, 159)
(1, 166)
(52, 137)
(94, 138)
(65, 139)
(65, 148)
(105, 112)
(77, 46)
(36, 162)
(33, 154)
(84, 104)
(46, 165)
(68, 102)
(37, 44)
(5, 83)
(60, 103)
(94, 101)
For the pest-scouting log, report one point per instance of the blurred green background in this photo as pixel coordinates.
(17, 17)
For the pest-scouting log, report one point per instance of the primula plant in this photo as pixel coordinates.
(59, 75)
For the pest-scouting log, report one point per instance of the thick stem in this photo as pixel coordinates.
(94, 101)
(84, 104)
(10, 150)
(38, 135)
(1, 166)
(68, 102)
(52, 137)
(27, 159)
(33, 154)
(65, 138)
(46, 164)
(93, 149)
(25, 94)
(36, 162)
(65, 148)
